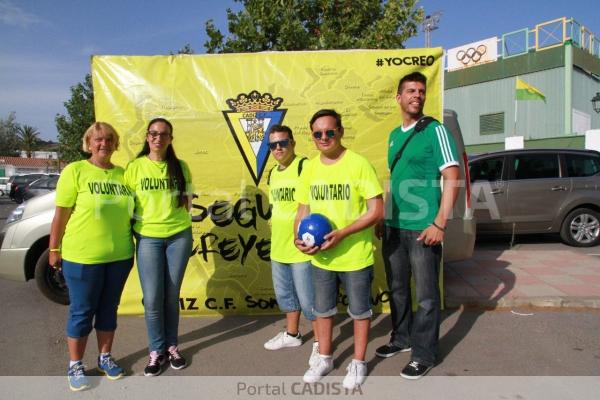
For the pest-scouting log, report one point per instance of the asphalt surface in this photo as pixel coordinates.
(525, 341)
(512, 352)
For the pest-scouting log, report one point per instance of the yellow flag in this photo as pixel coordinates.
(527, 92)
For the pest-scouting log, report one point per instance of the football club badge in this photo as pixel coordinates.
(250, 118)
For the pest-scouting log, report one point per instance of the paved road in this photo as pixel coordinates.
(475, 344)
(525, 354)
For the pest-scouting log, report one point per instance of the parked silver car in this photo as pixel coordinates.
(538, 191)
(24, 247)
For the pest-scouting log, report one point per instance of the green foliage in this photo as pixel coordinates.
(9, 139)
(80, 116)
(28, 139)
(280, 25)
(187, 49)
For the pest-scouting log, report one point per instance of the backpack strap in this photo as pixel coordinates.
(300, 165)
(269, 176)
(423, 122)
(420, 126)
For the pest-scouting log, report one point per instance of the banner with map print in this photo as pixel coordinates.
(222, 107)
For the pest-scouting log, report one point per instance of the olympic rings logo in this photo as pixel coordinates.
(471, 54)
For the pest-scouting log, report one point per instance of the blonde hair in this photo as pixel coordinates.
(99, 127)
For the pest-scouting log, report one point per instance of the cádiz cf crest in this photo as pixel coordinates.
(250, 119)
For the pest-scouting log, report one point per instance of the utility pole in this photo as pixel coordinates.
(431, 23)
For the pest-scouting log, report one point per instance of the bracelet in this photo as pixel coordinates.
(55, 250)
(439, 227)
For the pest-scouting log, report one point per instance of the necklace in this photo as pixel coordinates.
(160, 165)
(105, 167)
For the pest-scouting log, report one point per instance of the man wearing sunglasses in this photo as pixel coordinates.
(291, 269)
(343, 186)
(414, 231)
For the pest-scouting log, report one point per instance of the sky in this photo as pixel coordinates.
(45, 45)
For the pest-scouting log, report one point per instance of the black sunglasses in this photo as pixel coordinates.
(330, 133)
(282, 143)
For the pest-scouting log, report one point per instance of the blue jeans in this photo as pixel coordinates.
(404, 256)
(94, 295)
(357, 285)
(293, 284)
(161, 265)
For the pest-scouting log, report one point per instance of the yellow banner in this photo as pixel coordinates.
(221, 106)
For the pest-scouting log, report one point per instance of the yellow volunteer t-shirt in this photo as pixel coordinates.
(282, 196)
(156, 213)
(99, 228)
(340, 192)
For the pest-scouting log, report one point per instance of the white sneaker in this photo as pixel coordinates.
(356, 375)
(323, 365)
(282, 339)
(314, 355)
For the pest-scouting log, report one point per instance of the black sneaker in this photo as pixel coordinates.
(176, 360)
(414, 370)
(389, 350)
(155, 364)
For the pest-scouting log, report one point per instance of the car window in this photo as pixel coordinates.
(536, 166)
(41, 183)
(52, 182)
(579, 165)
(488, 169)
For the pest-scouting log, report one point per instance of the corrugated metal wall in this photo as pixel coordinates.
(584, 88)
(535, 119)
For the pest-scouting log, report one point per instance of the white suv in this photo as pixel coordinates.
(24, 247)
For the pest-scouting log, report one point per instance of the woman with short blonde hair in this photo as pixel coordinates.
(91, 240)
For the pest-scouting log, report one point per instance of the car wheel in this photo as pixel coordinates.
(581, 228)
(50, 281)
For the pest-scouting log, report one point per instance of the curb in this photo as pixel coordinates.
(561, 302)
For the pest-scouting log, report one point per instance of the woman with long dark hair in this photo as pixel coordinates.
(162, 228)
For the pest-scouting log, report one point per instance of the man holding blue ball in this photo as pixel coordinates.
(343, 186)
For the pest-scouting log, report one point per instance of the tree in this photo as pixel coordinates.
(282, 25)
(80, 110)
(9, 139)
(28, 139)
(187, 49)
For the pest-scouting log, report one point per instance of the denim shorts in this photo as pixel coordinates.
(357, 285)
(94, 292)
(293, 284)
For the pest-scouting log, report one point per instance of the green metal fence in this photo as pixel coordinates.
(548, 35)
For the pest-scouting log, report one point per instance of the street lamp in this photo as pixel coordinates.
(431, 23)
(596, 102)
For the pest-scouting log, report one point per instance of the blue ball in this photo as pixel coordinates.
(313, 228)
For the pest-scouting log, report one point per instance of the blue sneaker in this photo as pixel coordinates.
(77, 379)
(110, 367)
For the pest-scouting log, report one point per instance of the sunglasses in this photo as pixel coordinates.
(282, 143)
(155, 134)
(330, 133)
